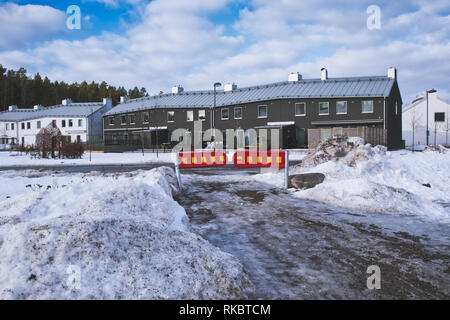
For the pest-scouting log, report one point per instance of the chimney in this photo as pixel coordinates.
(392, 73)
(107, 103)
(66, 102)
(177, 89)
(13, 108)
(294, 77)
(38, 107)
(124, 99)
(323, 74)
(229, 87)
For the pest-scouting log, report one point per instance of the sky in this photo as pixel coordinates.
(195, 43)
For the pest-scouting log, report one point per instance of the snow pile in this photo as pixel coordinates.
(122, 236)
(349, 150)
(395, 182)
(440, 148)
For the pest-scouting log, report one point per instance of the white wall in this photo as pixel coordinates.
(418, 111)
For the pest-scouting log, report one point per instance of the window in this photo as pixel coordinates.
(146, 117)
(224, 114)
(7, 127)
(78, 139)
(12, 126)
(324, 108)
(201, 115)
(22, 125)
(341, 107)
(396, 108)
(262, 111)
(190, 115)
(28, 125)
(367, 107)
(170, 116)
(131, 118)
(70, 123)
(300, 109)
(111, 121)
(238, 113)
(63, 123)
(80, 122)
(439, 116)
(123, 120)
(38, 124)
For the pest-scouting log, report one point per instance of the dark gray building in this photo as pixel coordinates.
(304, 109)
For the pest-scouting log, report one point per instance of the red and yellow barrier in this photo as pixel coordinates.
(259, 159)
(202, 159)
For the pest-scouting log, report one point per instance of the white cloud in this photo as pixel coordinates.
(20, 25)
(175, 42)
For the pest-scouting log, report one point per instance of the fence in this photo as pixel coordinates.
(373, 135)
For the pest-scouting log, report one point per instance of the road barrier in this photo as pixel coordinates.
(259, 159)
(241, 159)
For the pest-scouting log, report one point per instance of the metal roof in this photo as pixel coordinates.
(379, 86)
(70, 110)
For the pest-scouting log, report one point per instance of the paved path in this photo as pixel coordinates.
(297, 249)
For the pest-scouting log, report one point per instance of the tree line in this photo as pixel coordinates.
(17, 88)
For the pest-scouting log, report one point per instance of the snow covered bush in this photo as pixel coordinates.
(123, 234)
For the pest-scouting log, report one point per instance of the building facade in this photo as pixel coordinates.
(415, 117)
(78, 122)
(296, 107)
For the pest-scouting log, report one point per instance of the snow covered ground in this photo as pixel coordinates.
(387, 183)
(14, 159)
(121, 235)
(17, 159)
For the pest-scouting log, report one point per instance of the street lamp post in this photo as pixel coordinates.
(217, 84)
(428, 131)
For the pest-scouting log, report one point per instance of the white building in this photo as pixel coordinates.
(415, 115)
(79, 122)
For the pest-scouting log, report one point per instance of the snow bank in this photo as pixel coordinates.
(123, 234)
(371, 179)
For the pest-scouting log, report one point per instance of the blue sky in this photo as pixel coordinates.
(194, 43)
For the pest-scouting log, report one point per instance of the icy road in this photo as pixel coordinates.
(301, 249)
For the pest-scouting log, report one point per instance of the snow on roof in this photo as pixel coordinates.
(60, 110)
(379, 86)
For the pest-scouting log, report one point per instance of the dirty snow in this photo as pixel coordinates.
(124, 233)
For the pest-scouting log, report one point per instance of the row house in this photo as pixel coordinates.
(304, 110)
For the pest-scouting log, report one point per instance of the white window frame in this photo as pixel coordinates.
(267, 111)
(123, 123)
(12, 126)
(80, 122)
(28, 125)
(328, 108)
(295, 109)
(173, 116)
(63, 123)
(362, 106)
(38, 124)
(7, 127)
(70, 124)
(190, 112)
(221, 114)
(204, 115)
(346, 106)
(234, 112)
(109, 121)
(130, 117)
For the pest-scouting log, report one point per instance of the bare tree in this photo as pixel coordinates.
(414, 123)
